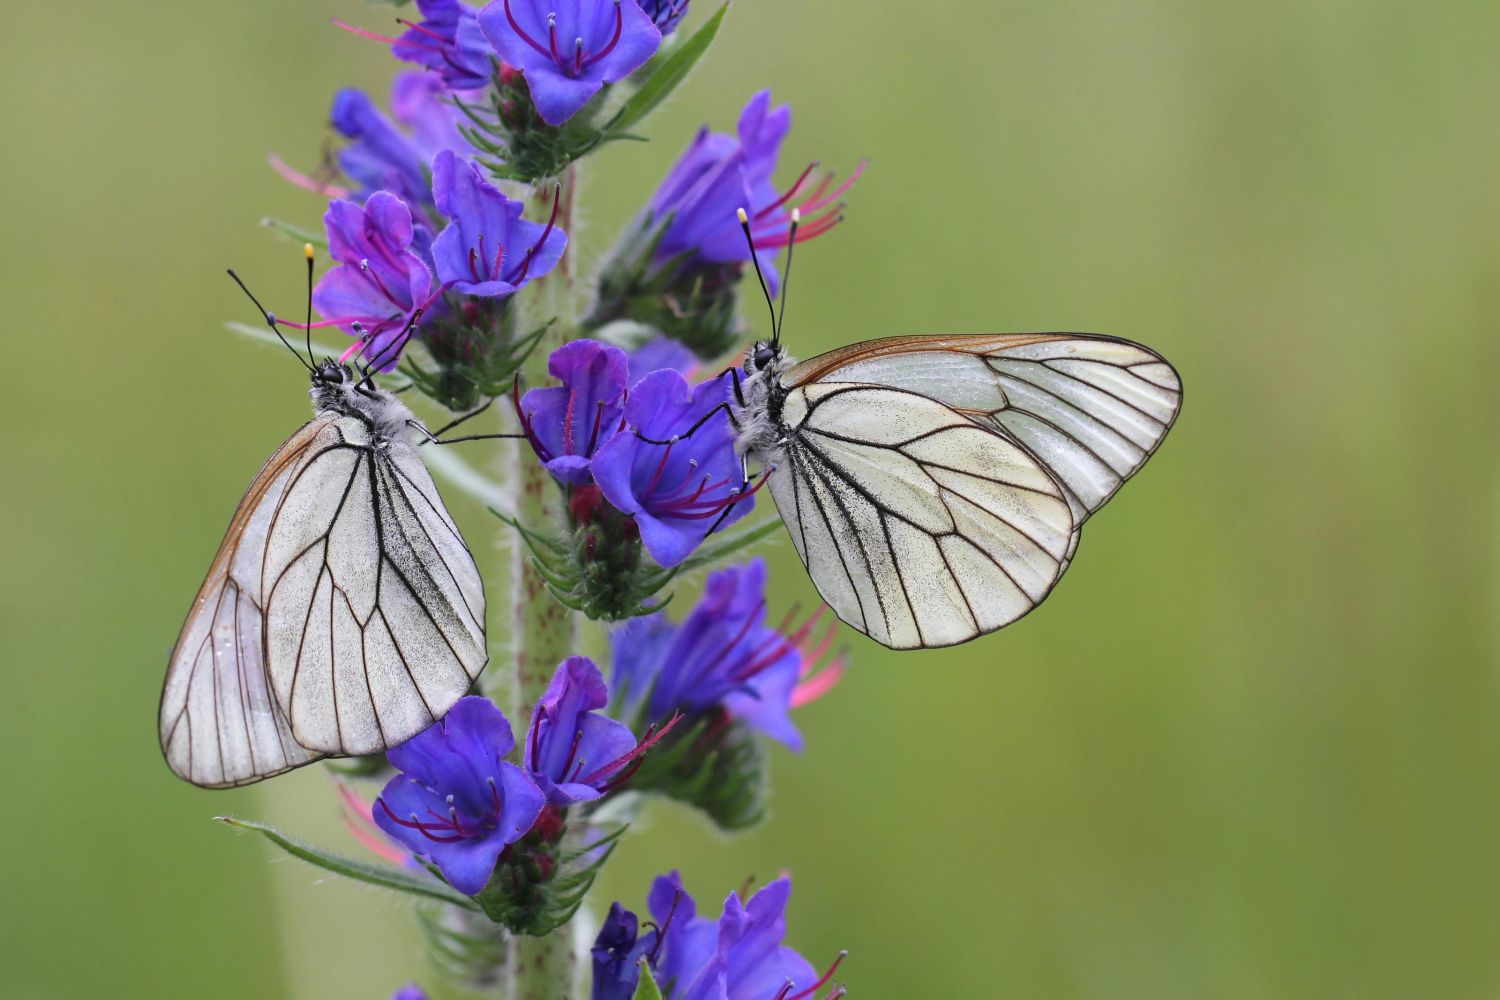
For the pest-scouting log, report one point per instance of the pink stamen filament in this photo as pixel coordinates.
(361, 823)
(619, 28)
(791, 191)
(779, 647)
(552, 40)
(303, 180)
(709, 508)
(525, 266)
(825, 680)
(660, 467)
(634, 757)
(820, 983)
(572, 752)
(516, 27)
(526, 428)
(374, 276)
(536, 728)
(448, 830)
(594, 433)
(422, 29)
(661, 935)
(363, 32)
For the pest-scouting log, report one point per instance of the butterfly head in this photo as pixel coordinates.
(332, 384)
(761, 356)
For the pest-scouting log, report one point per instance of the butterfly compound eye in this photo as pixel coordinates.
(764, 355)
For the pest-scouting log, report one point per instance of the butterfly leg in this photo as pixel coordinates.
(690, 431)
(416, 425)
(454, 423)
(742, 492)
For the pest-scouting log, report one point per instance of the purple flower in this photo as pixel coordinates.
(379, 283)
(421, 104)
(572, 752)
(740, 956)
(567, 424)
(722, 655)
(457, 802)
(569, 49)
(411, 991)
(676, 491)
(616, 950)
(659, 353)
(487, 249)
(378, 157)
(665, 14)
(449, 42)
(720, 174)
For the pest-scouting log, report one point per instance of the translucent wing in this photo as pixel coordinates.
(342, 615)
(919, 526)
(219, 724)
(374, 607)
(1091, 409)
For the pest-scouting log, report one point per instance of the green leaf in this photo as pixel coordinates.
(665, 78)
(381, 875)
(296, 233)
(646, 988)
(730, 545)
(264, 335)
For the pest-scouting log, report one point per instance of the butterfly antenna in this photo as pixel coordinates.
(786, 274)
(270, 319)
(755, 263)
(306, 251)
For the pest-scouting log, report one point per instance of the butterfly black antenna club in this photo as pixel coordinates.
(306, 327)
(755, 263)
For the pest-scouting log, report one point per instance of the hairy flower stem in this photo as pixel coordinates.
(542, 630)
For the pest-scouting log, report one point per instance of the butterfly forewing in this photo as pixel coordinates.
(374, 609)
(918, 526)
(938, 485)
(1091, 408)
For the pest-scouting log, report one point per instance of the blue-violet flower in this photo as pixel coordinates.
(720, 174)
(574, 753)
(740, 956)
(724, 655)
(665, 14)
(457, 802)
(567, 424)
(487, 249)
(448, 41)
(678, 490)
(568, 49)
(379, 283)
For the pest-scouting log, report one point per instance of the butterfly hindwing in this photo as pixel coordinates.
(918, 526)
(220, 725)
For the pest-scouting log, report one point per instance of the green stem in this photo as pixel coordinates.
(542, 630)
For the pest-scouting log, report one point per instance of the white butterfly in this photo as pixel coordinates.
(343, 613)
(935, 487)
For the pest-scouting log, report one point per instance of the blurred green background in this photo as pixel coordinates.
(1246, 750)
